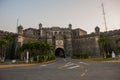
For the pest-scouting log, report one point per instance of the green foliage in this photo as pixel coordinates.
(4, 44)
(108, 56)
(45, 57)
(37, 49)
(51, 57)
(80, 56)
(5, 40)
(118, 44)
(117, 41)
(103, 40)
(42, 58)
(104, 45)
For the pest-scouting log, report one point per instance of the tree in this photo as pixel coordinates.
(104, 44)
(118, 44)
(4, 44)
(36, 48)
(2, 52)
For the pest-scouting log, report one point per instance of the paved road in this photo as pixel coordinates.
(64, 70)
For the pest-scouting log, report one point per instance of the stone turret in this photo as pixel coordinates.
(40, 30)
(40, 26)
(70, 26)
(20, 30)
(20, 36)
(97, 30)
(97, 48)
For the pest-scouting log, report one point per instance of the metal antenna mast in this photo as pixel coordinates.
(104, 16)
(17, 22)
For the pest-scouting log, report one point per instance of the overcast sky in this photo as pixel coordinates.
(84, 14)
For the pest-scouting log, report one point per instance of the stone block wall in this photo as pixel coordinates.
(85, 45)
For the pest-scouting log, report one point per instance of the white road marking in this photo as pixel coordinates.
(67, 64)
(73, 67)
(84, 63)
(84, 73)
(65, 60)
(47, 64)
(70, 65)
(43, 65)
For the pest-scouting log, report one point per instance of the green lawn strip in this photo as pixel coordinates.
(100, 59)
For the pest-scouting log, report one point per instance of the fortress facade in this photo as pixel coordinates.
(60, 38)
(66, 41)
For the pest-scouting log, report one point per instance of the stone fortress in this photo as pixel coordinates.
(60, 38)
(66, 41)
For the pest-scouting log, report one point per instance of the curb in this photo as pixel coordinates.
(23, 65)
(112, 61)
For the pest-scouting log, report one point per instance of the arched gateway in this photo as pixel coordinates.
(59, 52)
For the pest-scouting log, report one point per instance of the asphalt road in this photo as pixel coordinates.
(64, 70)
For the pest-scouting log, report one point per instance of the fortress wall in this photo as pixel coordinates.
(27, 38)
(88, 44)
(3, 33)
(85, 45)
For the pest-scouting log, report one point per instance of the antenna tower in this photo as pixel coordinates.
(17, 22)
(104, 16)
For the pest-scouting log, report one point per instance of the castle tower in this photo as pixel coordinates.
(70, 26)
(68, 41)
(97, 30)
(20, 30)
(20, 35)
(97, 50)
(40, 30)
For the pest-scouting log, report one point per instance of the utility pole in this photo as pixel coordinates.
(104, 16)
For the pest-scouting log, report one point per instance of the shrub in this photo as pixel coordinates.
(51, 57)
(41, 58)
(45, 57)
(108, 56)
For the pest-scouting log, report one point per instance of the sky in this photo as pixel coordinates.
(84, 14)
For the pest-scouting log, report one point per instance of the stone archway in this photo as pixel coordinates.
(59, 52)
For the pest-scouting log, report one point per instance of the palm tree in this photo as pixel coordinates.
(4, 44)
(2, 52)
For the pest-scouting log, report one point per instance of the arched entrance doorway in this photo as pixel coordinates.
(59, 52)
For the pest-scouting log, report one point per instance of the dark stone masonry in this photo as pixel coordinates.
(69, 41)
